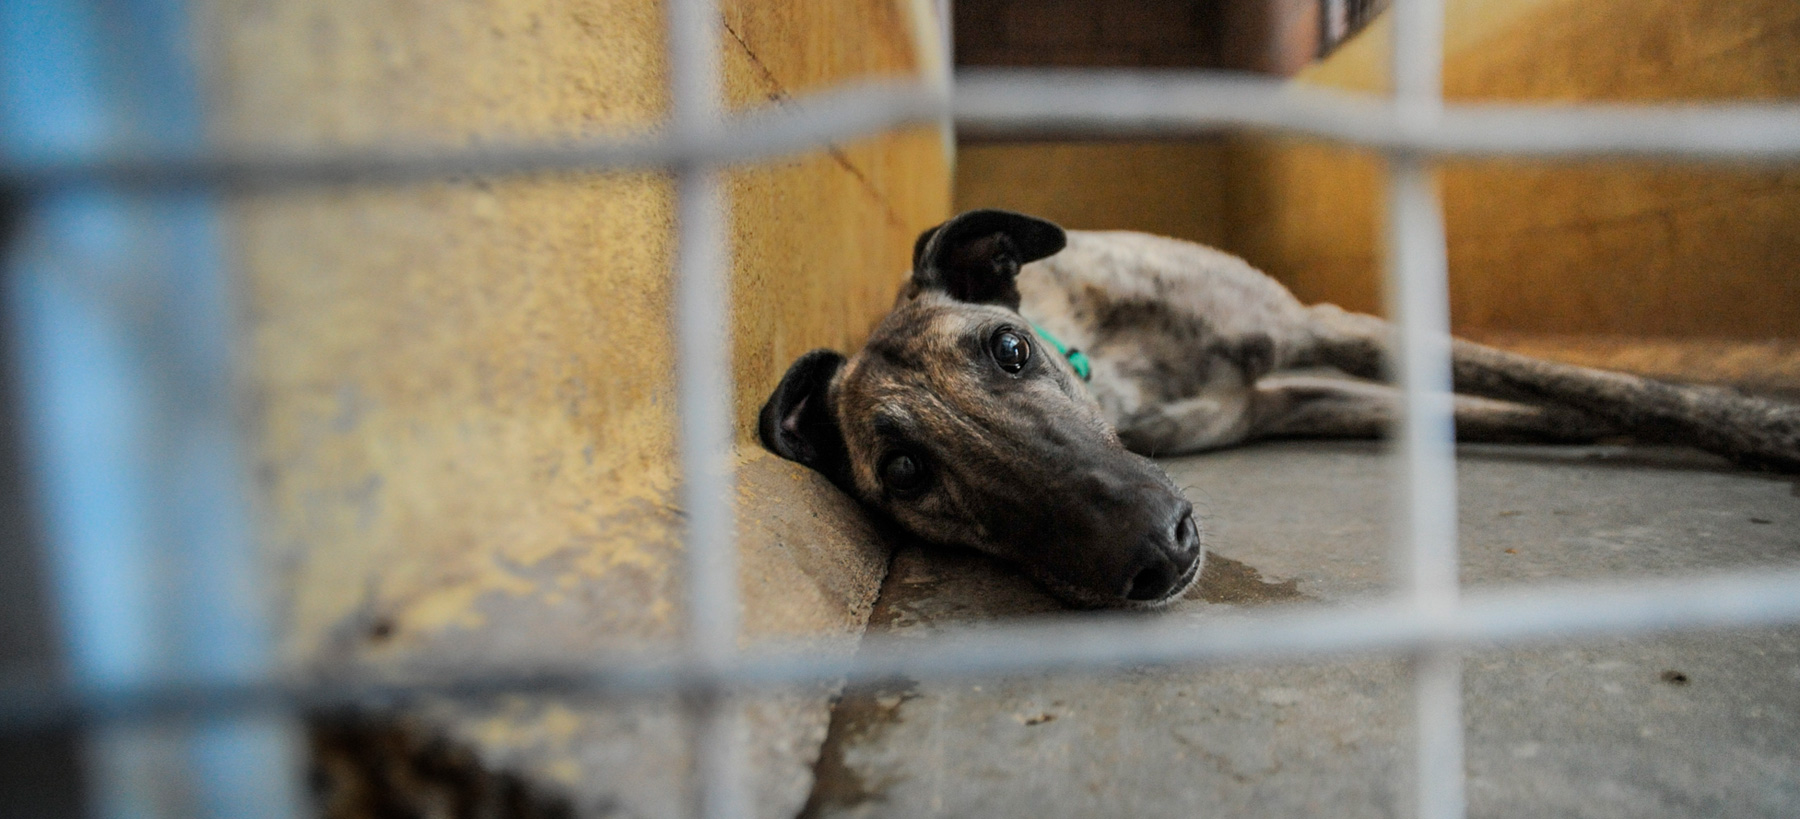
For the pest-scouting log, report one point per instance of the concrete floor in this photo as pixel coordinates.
(1688, 725)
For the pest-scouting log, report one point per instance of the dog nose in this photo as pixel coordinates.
(1187, 536)
(1170, 561)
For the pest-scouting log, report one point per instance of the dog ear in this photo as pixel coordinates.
(976, 257)
(798, 422)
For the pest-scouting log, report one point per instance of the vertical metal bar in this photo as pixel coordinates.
(119, 307)
(1418, 294)
(1418, 58)
(1418, 300)
(703, 350)
(1438, 708)
(1426, 548)
(932, 49)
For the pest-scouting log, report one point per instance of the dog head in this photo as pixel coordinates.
(960, 424)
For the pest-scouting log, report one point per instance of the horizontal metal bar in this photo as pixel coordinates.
(995, 103)
(843, 113)
(1486, 619)
(1002, 103)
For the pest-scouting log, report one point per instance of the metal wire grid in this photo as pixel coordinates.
(1427, 621)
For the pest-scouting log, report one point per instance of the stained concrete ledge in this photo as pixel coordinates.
(1689, 725)
(810, 569)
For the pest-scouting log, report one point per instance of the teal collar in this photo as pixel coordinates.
(1077, 359)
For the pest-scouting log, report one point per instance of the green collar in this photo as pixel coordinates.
(1077, 358)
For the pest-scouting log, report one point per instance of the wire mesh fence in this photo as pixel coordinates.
(1428, 620)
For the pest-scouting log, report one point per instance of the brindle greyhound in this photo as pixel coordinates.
(965, 426)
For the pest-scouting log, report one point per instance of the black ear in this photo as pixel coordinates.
(976, 256)
(798, 422)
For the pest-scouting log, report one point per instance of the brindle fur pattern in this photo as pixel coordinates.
(1194, 349)
(1191, 349)
(1020, 463)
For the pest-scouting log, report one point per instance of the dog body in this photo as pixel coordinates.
(962, 422)
(1192, 348)
(1179, 336)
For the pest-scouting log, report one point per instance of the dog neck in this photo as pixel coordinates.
(1077, 359)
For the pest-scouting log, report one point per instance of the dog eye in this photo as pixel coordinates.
(904, 475)
(1010, 350)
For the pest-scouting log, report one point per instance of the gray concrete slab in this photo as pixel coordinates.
(1690, 725)
(810, 566)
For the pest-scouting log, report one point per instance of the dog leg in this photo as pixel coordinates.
(1211, 420)
(1749, 430)
(1295, 406)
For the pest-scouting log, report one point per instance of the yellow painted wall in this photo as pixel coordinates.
(1628, 248)
(1169, 188)
(462, 391)
(1611, 247)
